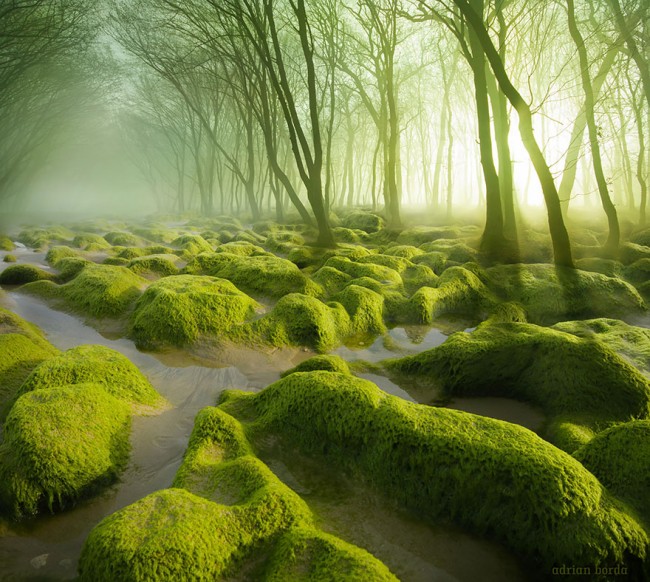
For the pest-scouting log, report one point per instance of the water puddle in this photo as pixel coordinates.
(507, 409)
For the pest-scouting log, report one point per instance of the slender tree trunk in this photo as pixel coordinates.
(614, 236)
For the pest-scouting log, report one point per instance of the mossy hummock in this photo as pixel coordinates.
(162, 265)
(21, 274)
(231, 515)
(266, 275)
(97, 290)
(61, 444)
(575, 381)
(98, 365)
(325, 362)
(491, 477)
(179, 310)
(55, 254)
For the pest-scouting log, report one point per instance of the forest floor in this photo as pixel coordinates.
(206, 399)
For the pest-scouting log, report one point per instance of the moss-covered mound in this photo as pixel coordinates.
(419, 235)
(629, 341)
(122, 239)
(55, 254)
(9, 258)
(365, 307)
(492, 477)
(6, 244)
(163, 265)
(39, 238)
(59, 445)
(70, 267)
(265, 275)
(620, 458)
(22, 348)
(302, 320)
(192, 244)
(85, 240)
(179, 310)
(575, 381)
(97, 290)
(354, 269)
(98, 365)
(21, 274)
(365, 221)
(549, 293)
(250, 522)
(458, 290)
(325, 362)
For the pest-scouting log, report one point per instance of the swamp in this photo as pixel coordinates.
(338, 290)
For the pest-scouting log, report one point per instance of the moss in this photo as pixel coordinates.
(306, 554)
(97, 290)
(39, 238)
(630, 253)
(326, 362)
(550, 293)
(508, 312)
(283, 241)
(458, 290)
(122, 239)
(365, 307)
(70, 267)
(365, 221)
(349, 235)
(620, 458)
(59, 445)
(176, 535)
(638, 272)
(266, 275)
(6, 244)
(331, 280)
(454, 251)
(98, 365)
(399, 264)
(243, 249)
(356, 269)
(405, 251)
(181, 309)
(163, 265)
(436, 261)
(249, 236)
(491, 477)
(192, 243)
(568, 377)
(306, 256)
(641, 237)
(156, 233)
(55, 254)
(117, 261)
(419, 235)
(88, 239)
(9, 258)
(630, 342)
(21, 274)
(607, 267)
(302, 320)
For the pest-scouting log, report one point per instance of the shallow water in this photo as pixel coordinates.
(48, 548)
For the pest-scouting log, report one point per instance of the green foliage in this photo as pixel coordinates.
(325, 362)
(21, 274)
(574, 379)
(97, 365)
(492, 477)
(163, 265)
(9, 258)
(179, 310)
(97, 290)
(549, 293)
(620, 458)
(265, 275)
(59, 445)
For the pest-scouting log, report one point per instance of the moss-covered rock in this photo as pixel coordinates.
(98, 365)
(264, 275)
(181, 309)
(356, 269)
(21, 274)
(365, 221)
(405, 251)
(176, 535)
(607, 267)
(6, 244)
(629, 253)
(365, 307)
(39, 238)
(575, 381)
(192, 243)
(241, 248)
(325, 362)
(638, 272)
(59, 445)
(419, 235)
(458, 291)
(9, 258)
(97, 290)
(331, 280)
(123, 239)
(549, 293)
(492, 477)
(301, 320)
(283, 242)
(70, 267)
(620, 458)
(85, 240)
(162, 265)
(436, 261)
